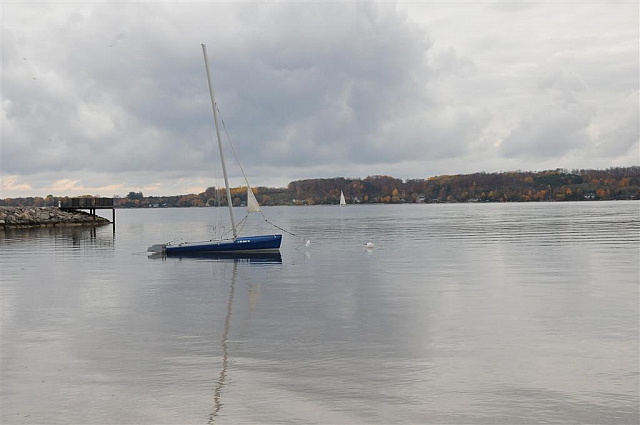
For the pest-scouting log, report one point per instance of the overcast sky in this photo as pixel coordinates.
(110, 97)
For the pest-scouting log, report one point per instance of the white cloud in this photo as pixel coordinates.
(11, 184)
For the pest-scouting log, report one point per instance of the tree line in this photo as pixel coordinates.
(616, 183)
(553, 185)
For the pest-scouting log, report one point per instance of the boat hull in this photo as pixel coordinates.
(263, 243)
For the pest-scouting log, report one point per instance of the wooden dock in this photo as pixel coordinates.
(90, 204)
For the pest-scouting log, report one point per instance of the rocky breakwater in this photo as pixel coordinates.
(17, 217)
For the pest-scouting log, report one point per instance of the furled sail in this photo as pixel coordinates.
(252, 202)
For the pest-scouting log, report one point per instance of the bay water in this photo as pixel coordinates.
(461, 313)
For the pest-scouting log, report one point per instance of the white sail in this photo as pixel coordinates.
(342, 200)
(252, 202)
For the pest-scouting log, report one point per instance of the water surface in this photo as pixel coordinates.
(462, 313)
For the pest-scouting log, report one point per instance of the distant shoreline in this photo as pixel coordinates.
(29, 217)
(371, 204)
(619, 183)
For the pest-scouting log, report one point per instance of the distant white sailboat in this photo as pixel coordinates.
(342, 200)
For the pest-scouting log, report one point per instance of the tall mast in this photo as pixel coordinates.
(215, 119)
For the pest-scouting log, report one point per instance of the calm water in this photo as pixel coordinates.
(474, 313)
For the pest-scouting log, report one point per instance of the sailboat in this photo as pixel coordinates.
(238, 244)
(342, 200)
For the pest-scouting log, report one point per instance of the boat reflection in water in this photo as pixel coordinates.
(237, 260)
(242, 257)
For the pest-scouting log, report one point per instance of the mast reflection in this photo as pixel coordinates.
(217, 404)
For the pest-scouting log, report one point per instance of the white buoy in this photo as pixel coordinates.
(308, 242)
(370, 245)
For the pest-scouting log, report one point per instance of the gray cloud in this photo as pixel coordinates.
(114, 96)
(559, 119)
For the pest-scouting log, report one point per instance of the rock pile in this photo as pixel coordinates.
(46, 217)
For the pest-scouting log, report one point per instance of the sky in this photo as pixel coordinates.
(107, 97)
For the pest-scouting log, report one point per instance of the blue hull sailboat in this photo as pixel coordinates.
(247, 244)
(237, 245)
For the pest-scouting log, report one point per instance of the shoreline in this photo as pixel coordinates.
(30, 217)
